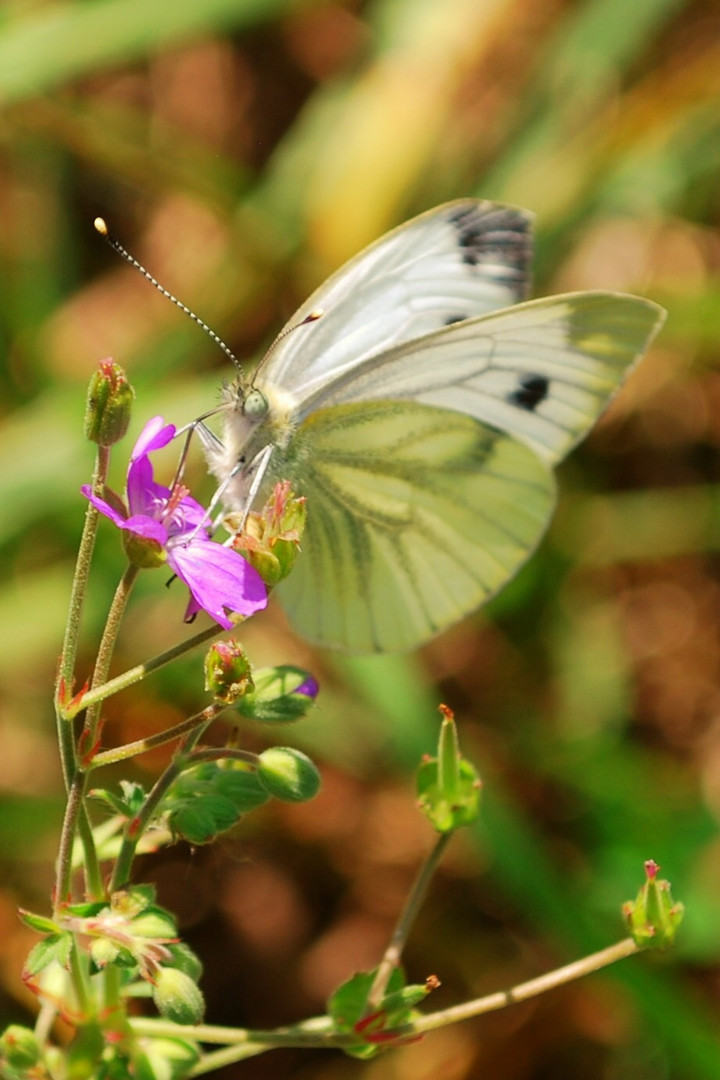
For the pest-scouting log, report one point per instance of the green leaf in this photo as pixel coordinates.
(242, 786)
(39, 922)
(347, 1007)
(55, 947)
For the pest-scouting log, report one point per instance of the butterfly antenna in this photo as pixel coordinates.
(313, 316)
(117, 247)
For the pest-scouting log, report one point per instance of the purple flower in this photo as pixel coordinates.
(164, 526)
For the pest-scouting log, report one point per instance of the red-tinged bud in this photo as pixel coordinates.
(270, 539)
(228, 673)
(109, 404)
(448, 786)
(653, 918)
(19, 1050)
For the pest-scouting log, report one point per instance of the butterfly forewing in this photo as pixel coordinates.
(415, 517)
(455, 262)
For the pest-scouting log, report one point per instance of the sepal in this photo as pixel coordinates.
(448, 786)
(653, 918)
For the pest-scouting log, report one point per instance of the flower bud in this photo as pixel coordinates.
(163, 1059)
(653, 919)
(109, 404)
(228, 674)
(19, 1049)
(270, 540)
(104, 952)
(177, 997)
(143, 551)
(280, 695)
(288, 774)
(448, 786)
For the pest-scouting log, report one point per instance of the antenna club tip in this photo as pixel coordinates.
(317, 313)
(100, 226)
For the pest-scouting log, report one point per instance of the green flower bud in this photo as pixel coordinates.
(142, 551)
(163, 1059)
(19, 1048)
(288, 774)
(653, 918)
(109, 404)
(177, 997)
(103, 952)
(448, 786)
(228, 674)
(270, 539)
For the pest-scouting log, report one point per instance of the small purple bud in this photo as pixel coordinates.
(310, 688)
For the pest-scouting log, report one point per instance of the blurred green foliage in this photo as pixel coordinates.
(242, 150)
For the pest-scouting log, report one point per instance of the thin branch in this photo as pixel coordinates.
(320, 1032)
(140, 746)
(393, 952)
(113, 686)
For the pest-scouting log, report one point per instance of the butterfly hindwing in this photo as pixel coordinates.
(416, 516)
(542, 371)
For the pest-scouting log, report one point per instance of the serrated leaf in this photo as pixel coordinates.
(109, 798)
(55, 947)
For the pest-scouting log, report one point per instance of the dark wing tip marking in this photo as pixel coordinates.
(454, 319)
(531, 390)
(491, 233)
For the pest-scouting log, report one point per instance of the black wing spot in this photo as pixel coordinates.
(454, 318)
(530, 392)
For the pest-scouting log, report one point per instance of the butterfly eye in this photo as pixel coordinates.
(255, 405)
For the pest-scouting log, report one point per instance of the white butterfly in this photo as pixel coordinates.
(422, 422)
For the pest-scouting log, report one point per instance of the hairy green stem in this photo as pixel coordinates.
(63, 868)
(75, 810)
(66, 667)
(393, 952)
(107, 648)
(135, 828)
(140, 746)
(64, 683)
(80, 980)
(100, 693)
